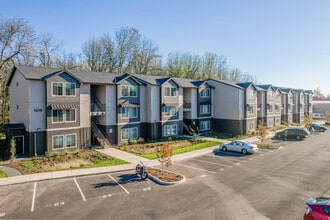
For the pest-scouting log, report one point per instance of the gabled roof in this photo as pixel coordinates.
(41, 73)
(119, 78)
(227, 82)
(266, 87)
(246, 85)
(285, 90)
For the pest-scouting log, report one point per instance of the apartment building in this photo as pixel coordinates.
(58, 110)
(269, 103)
(234, 106)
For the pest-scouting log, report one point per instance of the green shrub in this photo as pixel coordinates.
(12, 149)
(55, 155)
(140, 140)
(131, 142)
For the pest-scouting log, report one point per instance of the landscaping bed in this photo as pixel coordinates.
(152, 150)
(165, 176)
(65, 161)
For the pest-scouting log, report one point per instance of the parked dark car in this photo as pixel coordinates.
(317, 127)
(317, 208)
(293, 133)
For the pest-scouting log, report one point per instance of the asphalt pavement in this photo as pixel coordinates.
(15, 177)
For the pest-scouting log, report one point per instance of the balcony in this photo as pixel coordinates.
(97, 108)
(187, 107)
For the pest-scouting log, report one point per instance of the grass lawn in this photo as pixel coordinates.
(151, 151)
(2, 174)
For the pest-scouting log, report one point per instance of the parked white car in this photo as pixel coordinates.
(240, 146)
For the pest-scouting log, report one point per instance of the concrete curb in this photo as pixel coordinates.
(160, 182)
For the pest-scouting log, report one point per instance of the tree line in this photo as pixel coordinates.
(127, 51)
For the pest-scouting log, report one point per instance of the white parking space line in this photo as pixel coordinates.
(224, 158)
(219, 164)
(34, 196)
(81, 193)
(195, 168)
(2, 214)
(118, 184)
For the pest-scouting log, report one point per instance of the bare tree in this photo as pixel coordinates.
(48, 48)
(213, 66)
(145, 57)
(126, 41)
(183, 65)
(16, 43)
(100, 54)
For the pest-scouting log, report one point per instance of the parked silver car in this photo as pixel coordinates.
(240, 146)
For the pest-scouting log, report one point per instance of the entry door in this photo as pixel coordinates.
(19, 144)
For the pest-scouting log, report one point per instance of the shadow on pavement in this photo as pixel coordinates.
(218, 152)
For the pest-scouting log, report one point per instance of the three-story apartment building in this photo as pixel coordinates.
(58, 110)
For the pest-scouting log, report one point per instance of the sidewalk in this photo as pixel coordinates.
(131, 158)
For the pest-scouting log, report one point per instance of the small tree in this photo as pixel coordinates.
(327, 117)
(164, 155)
(262, 131)
(307, 121)
(12, 149)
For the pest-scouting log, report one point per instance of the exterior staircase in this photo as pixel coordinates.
(99, 136)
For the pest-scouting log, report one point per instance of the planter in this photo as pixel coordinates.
(164, 177)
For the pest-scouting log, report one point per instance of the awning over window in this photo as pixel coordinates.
(64, 106)
(128, 104)
(17, 126)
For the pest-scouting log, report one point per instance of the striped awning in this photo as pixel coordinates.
(64, 106)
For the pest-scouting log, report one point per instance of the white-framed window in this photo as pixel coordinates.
(250, 110)
(129, 133)
(270, 94)
(57, 115)
(205, 92)
(63, 115)
(64, 141)
(252, 94)
(130, 112)
(128, 91)
(170, 110)
(251, 126)
(205, 125)
(59, 87)
(205, 109)
(170, 91)
(170, 130)
(70, 89)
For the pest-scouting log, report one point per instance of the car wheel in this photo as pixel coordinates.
(298, 137)
(244, 151)
(224, 149)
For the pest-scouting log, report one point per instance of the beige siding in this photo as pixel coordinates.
(194, 106)
(154, 104)
(111, 105)
(19, 99)
(180, 103)
(143, 104)
(227, 102)
(85, 105)
(37, 107)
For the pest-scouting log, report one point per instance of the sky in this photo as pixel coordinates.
(281, 42)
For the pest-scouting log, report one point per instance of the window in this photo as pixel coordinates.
(129, 133)
(170, 110)
(70, 140)
(70, 115)
(64, 115)
(170, 130)
(57, 89)
(170, 91)
(270, 94)
(251, 125)
(131, 112)
(252, 94)
(205, 109)
(250, 109)
(128, 91)
(59, 143)
(70, 89)
(205, 92)
(205, 125)
(58, 115)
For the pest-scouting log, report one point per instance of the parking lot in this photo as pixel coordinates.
(32, 200)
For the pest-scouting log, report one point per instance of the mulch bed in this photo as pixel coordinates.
(163, 175)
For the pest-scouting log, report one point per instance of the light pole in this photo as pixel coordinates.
(35, 141)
